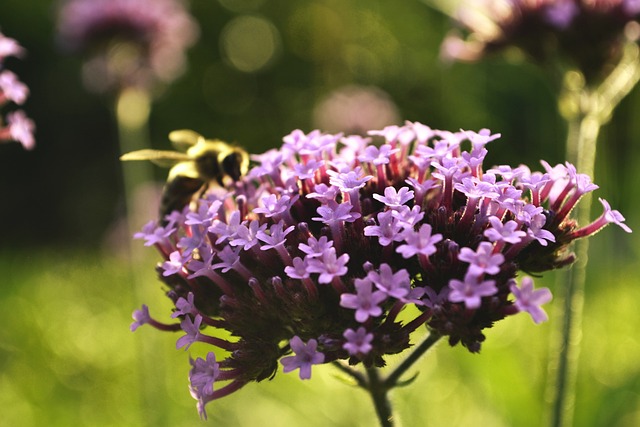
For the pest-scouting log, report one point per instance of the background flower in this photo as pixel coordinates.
(587, 35)
(128, 42)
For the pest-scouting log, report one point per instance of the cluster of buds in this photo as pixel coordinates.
(130, 42)
(18, 126)
(588, 33)
(311, 257)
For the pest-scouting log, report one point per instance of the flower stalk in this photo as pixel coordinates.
(586, 110)
(379, 388)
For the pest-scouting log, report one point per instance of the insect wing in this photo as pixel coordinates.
(161, 158)
(183, 139)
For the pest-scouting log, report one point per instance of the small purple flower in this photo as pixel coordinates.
(229, 259)
(141, 317)
(483, 260)
(175, 264)
(537, 232)
(306, 171)
(358, 341)
(333, 213)
(192, 242)
(153, 234)
(377, 156)
(192, 330)
(276, 237)
(204, 373)
(396, 285)
(471, 290)
(474, 188)
(185, 306)
(272, 205)
(323, 193)
(408, 218)
(608, 216)
(509, 232)
(316, 247)
(300, 269)
(388, 231)
(365, 301)
(394, 198)
(419, 242)
(348, 181)
(329, 266)
(247, 237)
(226, 230)
(529, 299)
(306, 355)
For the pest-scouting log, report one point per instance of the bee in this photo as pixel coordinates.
(199, 162)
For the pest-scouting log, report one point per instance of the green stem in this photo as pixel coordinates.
(132, 116)
(586, 111)
(429, 341)
(573, 298)
(378, 388)
(379, 394)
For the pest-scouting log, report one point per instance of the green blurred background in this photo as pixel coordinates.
(258, 71)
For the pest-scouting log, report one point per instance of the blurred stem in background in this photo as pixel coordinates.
(132, 109)
(379, 388)
(586, 110)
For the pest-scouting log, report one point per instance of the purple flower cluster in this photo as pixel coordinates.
(18, 126)
(131, 42)
(326, 240)
(588, 33)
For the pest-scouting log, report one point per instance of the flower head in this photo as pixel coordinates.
(130, 42)
(588, 33)
(326, 262)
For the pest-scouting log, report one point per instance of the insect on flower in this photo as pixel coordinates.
(199, 162)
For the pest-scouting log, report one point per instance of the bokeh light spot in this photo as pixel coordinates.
(250, 43)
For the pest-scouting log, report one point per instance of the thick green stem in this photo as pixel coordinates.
(573, 298)
(586, 111)
(132, 116)
(379, 394)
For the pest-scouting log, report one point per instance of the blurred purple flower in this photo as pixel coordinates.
(18, 126)
(589, 33)
(128, 42)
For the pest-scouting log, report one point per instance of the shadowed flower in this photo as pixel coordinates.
(129, 42)
(322, 265)
(17, 126)
(589, 33)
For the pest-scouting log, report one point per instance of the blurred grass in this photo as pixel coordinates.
(67, 357)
